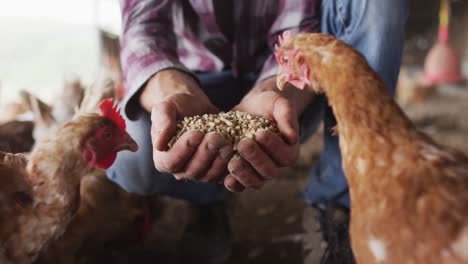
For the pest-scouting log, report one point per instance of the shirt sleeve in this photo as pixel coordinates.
(148, 45)
(287, 20)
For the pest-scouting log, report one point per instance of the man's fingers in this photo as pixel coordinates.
(218, 169)
(257, 158)
(164, 125)
(286, 118)
(232, 184)
(203, 158)
(281, 152)
(177, 157)
(242, 171)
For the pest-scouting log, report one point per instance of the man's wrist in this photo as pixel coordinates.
(165, 84)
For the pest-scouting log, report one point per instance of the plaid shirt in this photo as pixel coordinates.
(207, 35)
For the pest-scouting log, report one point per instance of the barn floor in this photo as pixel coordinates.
(267, 224)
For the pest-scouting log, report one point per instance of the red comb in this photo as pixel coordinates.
(277, 54)
(110, 111)
(282, 39)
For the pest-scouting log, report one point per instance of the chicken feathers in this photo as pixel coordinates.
(409, 195)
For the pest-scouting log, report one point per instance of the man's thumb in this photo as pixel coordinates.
(163, 125)
(286, 118)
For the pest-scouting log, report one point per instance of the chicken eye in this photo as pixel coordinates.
(107, 135)
(300, 60)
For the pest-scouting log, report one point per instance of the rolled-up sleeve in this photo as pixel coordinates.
(148, 45)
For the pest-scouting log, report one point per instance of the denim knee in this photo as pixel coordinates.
(374, 28)
(368, 16)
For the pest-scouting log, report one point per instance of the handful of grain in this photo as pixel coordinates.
(234, 126)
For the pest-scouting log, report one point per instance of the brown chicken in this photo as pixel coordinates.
(12, 111)
(409, 195)
(44, 122)
(103, 87)
(40, 196)
(16, 136)
(73, 100)
(48, 118)
(68, 100)
(107, 216)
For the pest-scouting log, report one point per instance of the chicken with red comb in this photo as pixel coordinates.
(409, 199)
(40, 195)
(108, 109)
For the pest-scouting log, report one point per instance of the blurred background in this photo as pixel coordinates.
(45, 42)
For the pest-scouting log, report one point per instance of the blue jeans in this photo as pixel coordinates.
(375, 28)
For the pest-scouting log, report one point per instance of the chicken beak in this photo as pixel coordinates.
(128, 143)
(281, 81)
